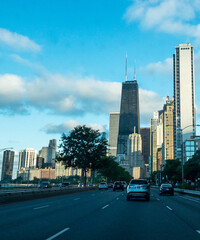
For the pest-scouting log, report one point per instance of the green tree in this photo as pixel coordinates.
(172, 170)
(82, 148)
(111, 170)
(192, 167)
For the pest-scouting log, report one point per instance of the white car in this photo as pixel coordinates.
(103, 185)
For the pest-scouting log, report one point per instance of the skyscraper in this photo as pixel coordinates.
(129, 114)
(184, 96)
(7, 168)
(27, 158)
(113, 133)
(145, 134)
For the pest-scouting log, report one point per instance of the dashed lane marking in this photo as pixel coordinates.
(41, 207)
(105, 206)
(75, 199)
(57, 234)
(169, 208)
(158, 199)
(198, 231)
(117, 198)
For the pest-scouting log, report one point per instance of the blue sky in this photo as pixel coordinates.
(62, 62)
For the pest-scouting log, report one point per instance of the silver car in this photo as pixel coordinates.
(138, 188)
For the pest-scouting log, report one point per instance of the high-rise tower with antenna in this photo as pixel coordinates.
(129, 112)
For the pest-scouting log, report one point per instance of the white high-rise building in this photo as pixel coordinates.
(184, 96)
(27, 158)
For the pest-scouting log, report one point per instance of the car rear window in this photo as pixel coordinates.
(166, 185)
(102, 183)
(138, 182)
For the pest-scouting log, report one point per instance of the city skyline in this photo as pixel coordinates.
(60, 69)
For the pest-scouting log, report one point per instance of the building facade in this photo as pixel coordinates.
(113, 133)
(168, 129)
(129, 114)
(7, 167)
(145, 134)
(27, 158)
(184, 96)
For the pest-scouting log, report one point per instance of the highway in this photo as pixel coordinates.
(102, 215)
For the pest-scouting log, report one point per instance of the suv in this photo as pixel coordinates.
(118, 186)
(138, 188)
(103, 185)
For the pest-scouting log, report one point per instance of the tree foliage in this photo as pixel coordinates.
(192, 167)
(111, 170)
(172, 170)
(82, 148)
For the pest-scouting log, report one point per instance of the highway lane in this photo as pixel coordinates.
(102, 215)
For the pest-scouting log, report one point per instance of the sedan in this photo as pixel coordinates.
(103, 185)
(166, 189)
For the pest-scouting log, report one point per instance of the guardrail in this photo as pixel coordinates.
(30, 194)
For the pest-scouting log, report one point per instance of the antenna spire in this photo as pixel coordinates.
(126, 69)
(134, 70)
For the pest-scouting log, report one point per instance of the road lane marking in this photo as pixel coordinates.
(190, 199)
(76, 199)
(41, 207)
(105, 206)
(169, 208)
(57, 234)
(198, 231)
(117, 198)
(158, 199)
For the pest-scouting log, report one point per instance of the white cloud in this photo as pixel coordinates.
(170, 16)
(161, 68)
(18, 41)
(70, 96)
(68, 126)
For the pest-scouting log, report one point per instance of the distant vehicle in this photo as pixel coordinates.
(125, 184)
(166, 189)
(138, 188)
(45, 185)
(103, 185)
(110, 185)
(64, 185)
(118, 186)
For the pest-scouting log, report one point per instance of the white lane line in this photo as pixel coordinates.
(117, 198)
(198, 231)
(169, 208)
(105, 206)
(158, 199)
(75, 199)
(57, 234)
(41, 207)
(190, 199)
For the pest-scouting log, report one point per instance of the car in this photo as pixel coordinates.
(103, 185)
(110, 185)
(64, 185)
(138, 188)
(118, 185)
(166, 188)
(45, 185)
(125, 184)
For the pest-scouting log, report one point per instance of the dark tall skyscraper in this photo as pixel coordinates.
(129, 114)
(145, 134)
(7, 168)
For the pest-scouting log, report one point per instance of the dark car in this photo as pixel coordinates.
(45, 185)
(64, 185)
(118, 186)
(110, 185)
(166, 189)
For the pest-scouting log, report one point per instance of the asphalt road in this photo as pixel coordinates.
(102, 215)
